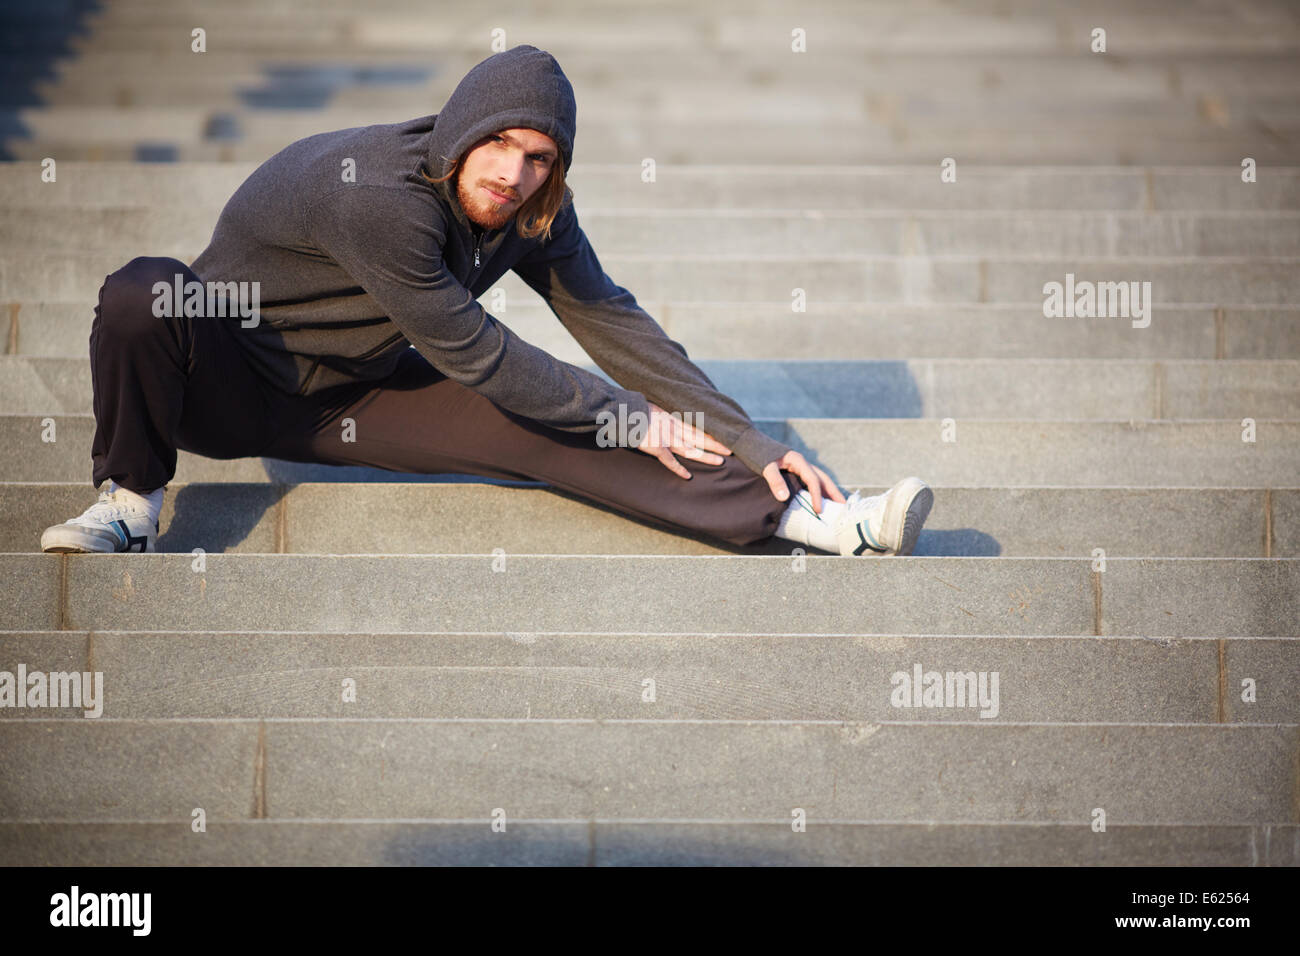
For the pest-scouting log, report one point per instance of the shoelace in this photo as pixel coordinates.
(107, 508)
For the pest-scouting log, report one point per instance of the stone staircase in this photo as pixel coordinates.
(1105, 544)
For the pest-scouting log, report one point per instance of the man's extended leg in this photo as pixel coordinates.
(419, 421)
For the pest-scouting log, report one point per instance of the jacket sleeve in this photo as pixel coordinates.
(630, 346)
(404, 273)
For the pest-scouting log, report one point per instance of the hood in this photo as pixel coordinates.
(520, 87)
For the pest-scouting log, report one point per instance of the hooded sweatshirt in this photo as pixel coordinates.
(359, 258)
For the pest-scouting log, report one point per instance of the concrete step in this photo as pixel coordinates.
(1207, 597)
(174, 675)
(1040, 389)
(431, 517)
(713, 277)
(662, 105)
(886, 85)
(668, 121)
(623, 27)
(633, 843)
(867, 331)
(184, 138)
(913, 189)
(934, 279)
(1011, 453)
(887, 89)
(728, 331)
(108, 770)
(733, 232)
(945, 233)
(245, 106)
(602, 76)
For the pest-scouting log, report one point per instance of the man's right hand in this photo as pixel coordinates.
(666, 436)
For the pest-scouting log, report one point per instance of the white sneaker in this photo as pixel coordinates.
(111, 524)
(885, 524)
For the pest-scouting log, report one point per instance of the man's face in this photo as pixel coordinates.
(501, 171)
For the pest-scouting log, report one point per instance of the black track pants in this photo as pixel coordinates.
(162, 384)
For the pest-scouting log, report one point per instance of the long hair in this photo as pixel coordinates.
(536, 215)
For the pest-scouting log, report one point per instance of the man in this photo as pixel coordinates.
(367, 249)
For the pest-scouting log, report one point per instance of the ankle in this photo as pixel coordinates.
(800, 524)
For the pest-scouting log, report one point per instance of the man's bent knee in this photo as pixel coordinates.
(127, 299)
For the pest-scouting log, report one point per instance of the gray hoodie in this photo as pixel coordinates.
(353, 273)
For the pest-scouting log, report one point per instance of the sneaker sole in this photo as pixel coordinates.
(62, 539)
(909, 505)
(68, 539)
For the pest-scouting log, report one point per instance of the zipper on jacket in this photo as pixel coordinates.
(478, 245)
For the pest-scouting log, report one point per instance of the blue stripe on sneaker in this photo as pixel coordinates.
(865, 545)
